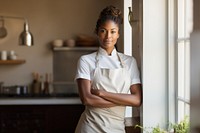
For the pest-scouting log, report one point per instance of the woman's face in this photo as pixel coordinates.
(108, 33)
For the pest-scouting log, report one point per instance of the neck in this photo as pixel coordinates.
(109, 50)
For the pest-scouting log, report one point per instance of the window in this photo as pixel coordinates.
(184, 25)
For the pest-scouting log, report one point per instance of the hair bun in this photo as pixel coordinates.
(111, 10)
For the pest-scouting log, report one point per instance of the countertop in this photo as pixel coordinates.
(39, 100)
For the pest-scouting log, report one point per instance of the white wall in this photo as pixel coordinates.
(154, 63)
(48, 20)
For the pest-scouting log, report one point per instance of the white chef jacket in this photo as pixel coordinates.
(87, 64)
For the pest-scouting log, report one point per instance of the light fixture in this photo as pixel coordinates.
(25, 38)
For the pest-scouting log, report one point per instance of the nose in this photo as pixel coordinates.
(108, 35)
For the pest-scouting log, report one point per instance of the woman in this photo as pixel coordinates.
(107, 80)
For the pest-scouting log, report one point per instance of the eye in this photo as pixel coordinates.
(113, 32)
(102, 31)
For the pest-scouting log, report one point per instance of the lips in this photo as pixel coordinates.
(107, 41)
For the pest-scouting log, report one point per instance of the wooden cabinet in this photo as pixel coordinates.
(39, 118)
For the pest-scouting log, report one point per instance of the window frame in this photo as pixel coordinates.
(173, 77)
(183, 39)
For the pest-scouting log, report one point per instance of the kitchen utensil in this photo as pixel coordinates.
(3, 31)
(24, 90)
(11, 90)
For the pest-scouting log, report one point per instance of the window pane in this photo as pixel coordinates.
(181, 69)
(187, 70)
(181, 18)
(184, 25)
(187, 110)
(189, 17)
(184, 69)
(181, 111)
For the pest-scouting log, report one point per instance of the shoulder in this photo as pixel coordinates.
(129, 61)
(127, 58)
(88, 57)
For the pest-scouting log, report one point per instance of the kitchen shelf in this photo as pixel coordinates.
(11, 62)
(74, 48)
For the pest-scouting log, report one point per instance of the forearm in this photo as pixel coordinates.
(133, 99)
(96, 101)
(90, 99)
(121, 99)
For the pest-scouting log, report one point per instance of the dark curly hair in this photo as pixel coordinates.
(109, 13)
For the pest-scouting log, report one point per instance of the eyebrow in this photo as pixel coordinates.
(106, 29)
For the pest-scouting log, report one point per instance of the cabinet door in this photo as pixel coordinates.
(22, 119)
(63, 119)
(39, 119)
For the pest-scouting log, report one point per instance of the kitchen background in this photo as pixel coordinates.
(48, 20)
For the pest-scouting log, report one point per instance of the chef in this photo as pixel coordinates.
(108, 81)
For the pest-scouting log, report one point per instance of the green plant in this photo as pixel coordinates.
(156, 129)
(182, 126)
